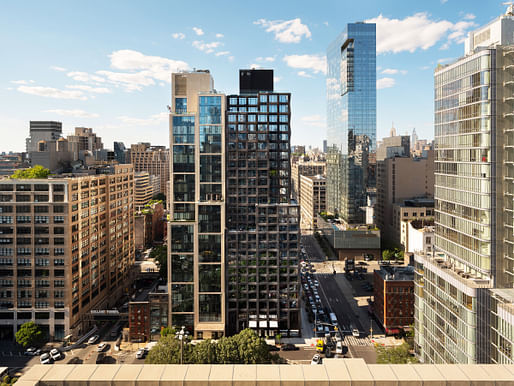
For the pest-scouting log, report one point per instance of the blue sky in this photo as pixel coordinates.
(107, 64)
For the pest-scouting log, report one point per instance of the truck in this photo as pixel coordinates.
(349, 265)
(320, 345)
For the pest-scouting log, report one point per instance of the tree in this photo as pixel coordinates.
(252, 348)
(29, 334)
(205, 352)
(245, 348)
(37, 171)
(395, 355)
(160, 254)
(165, 331)
(167, 351)
(392, 254)
(160, 196)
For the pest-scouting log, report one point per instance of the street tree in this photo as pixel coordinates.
(205, 352)
(395, 355)
(29, 334)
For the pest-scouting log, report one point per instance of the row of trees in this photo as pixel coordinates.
(244, 348)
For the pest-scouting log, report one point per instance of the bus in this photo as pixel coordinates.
(333, 318)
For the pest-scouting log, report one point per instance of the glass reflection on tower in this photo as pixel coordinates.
(351, 118)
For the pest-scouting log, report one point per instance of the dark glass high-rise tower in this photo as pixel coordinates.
(262, 223)
(351, 118)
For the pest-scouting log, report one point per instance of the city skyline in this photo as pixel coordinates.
(115, 79)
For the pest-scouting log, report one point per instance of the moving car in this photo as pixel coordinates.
(355, 332)
(55, 354)
(93, 339)
(316, 360)
(339, 347)
(45, 359)
(32, 351)
(101, 347)
(140, 353)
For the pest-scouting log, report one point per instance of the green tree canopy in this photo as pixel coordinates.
(167, 331)
(245, 348)
(395, 355)
(160, 254)
(392, 254)
(37, 171)
(29, 334)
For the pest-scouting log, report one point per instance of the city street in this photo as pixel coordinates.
(312, 249)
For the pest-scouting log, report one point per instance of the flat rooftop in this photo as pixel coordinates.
(345, 372)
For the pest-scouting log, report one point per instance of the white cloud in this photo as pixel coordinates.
(315, 63)
(416, 31)
(288, 31)
(469, 16)
(50, 92)
(385, 83)
(314, 120)
(198, 31)
(22, 81)
(56, 68)
(83, 87)
(156, 66)
(304, 74)
(81, 76)
(154, 119)
(326, 23)
(219, 36)
(222, 53)
(129, 81)
(393, 71)
(178, 35)
(268, 59)
(206, 47)
(140, 70)
(77, 113)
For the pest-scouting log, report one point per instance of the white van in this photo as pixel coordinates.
(339, 347)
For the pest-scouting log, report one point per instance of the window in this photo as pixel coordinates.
(181, 105)
(5, 219)
(58, 219)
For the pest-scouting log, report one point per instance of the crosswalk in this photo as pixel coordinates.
(354, 341)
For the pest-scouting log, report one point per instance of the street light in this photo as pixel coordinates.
(182, 335)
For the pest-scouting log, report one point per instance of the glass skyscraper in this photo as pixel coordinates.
(463, 293)
(196, 230)
(351, 118)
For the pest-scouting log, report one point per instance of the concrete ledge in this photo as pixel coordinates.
(334, 372)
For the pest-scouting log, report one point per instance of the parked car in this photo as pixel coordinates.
(273, 348)
(101, 347)
(32, 351)
(45, 359)
(55, 354)
(316, 360)
(356, 333)
(75, 361)
(93, 339)
(339, 347)
(289, 347)
(140, 353)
